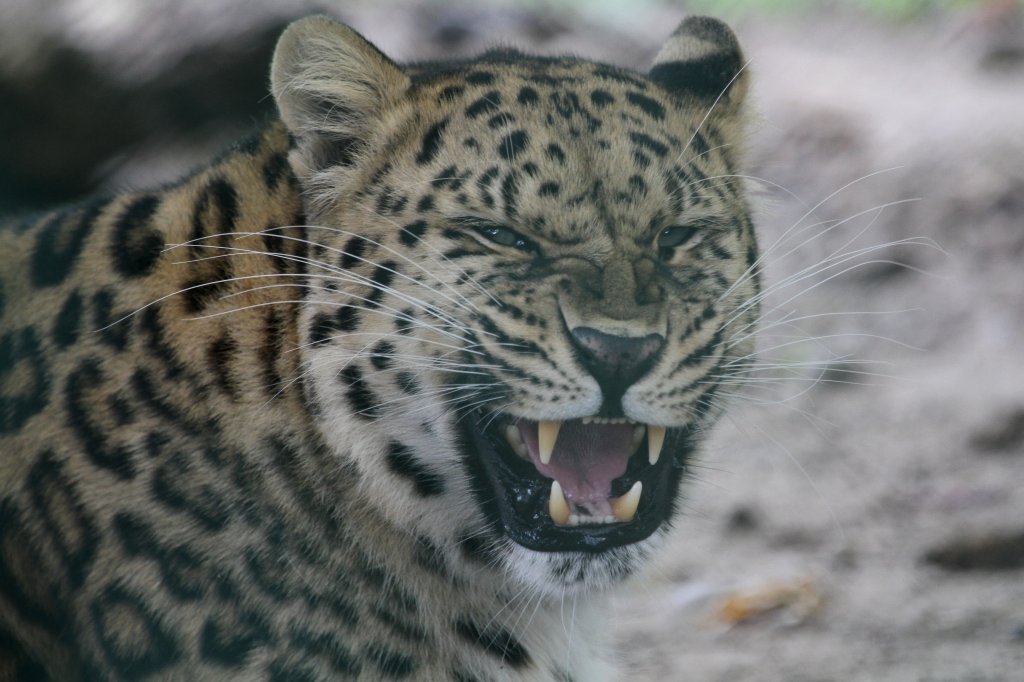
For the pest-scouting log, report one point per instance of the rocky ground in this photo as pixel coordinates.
(860, 513)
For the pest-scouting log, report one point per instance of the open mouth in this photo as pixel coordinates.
(578, 485)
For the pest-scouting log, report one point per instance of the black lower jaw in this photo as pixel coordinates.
(515, 496)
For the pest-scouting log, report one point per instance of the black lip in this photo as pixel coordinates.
(515, 495)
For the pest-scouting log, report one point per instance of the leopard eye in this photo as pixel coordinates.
(676, 236)
(503, 236)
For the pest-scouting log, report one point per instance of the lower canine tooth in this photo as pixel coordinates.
(624, 507)
(655, 439)
(558, 506)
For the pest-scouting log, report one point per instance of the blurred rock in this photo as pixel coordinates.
(1003, 433)
(788, 603)
(68, 122)
(1000, 24)
(845, 559)
(796, 538)
(103, 94)
(743, 519)
(991, 552)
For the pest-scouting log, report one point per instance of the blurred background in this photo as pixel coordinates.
(859, 515)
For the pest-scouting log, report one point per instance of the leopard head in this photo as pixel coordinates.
(528, 281)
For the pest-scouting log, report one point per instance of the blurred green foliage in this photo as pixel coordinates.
(893, 9)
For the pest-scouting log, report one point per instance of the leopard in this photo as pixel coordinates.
(404, 385)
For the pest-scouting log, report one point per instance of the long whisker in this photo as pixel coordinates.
(347, 276)
(788, 233)
(711, 109)
(447, 262)
(820, 268)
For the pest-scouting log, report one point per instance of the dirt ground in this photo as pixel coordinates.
(859, 515)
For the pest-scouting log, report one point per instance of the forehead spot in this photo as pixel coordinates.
(431, 143)
(549, 189)
(555, 153)
(487, 104)
(649, 106)
(450, 93)
(619, 77)
(513, 144)
(637, 185)
(649, 143)
(501, 119)
(480, 78)
(601, 98)
(527, 96)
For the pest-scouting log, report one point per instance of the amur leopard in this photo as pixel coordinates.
(378, 392)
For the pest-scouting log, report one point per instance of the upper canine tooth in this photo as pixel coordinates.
(558, 506)
(624, 507)
(547, 433)
(655, 439)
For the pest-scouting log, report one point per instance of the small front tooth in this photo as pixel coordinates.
(547, 433)
(655, 439)
(624, 507)
(587, 420)
(558, 506)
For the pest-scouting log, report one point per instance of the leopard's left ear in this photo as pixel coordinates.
(332, 87)
(702, 60)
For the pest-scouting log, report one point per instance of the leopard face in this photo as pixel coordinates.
(527, 280)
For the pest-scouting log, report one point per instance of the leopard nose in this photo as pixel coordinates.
(616, 361)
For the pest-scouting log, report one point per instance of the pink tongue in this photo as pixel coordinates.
(586, 459)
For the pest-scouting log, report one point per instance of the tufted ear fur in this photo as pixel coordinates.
(331, 86)
(702, 59)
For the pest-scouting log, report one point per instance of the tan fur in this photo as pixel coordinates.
(231, 438)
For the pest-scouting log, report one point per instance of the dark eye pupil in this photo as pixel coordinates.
(505, 237)
(676, 236)
(502, 236)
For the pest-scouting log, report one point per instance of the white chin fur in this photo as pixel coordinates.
(558, 574)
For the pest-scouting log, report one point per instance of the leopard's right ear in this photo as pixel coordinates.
(332, 87)
(702, 61)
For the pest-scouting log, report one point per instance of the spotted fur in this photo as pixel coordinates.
(230, 409)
